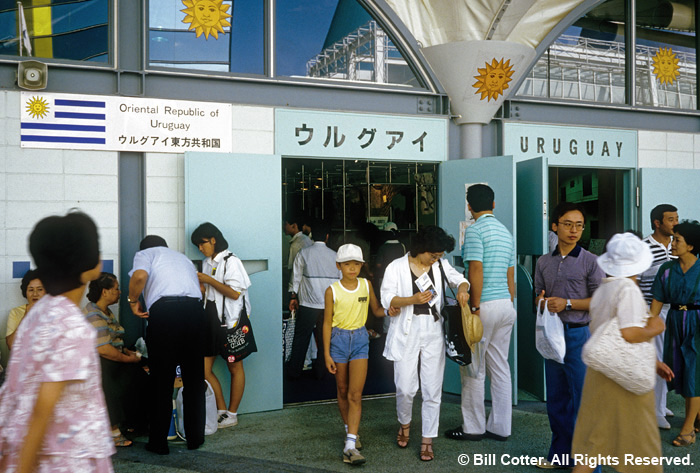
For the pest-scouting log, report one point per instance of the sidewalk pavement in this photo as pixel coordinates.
(309, 438)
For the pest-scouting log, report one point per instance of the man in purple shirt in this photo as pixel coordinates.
(566, 279)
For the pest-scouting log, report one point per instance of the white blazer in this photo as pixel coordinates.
(397, 282)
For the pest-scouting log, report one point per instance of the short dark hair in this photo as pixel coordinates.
(152, 241)
(294, 218)
(432, 239)
(690, 231)
(657, 213)
(319, 230)
(28, 277)
(206, 231)
(105, 281)
(480, 197)
(63, 248)
(565, 207)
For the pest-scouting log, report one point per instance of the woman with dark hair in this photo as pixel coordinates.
(414, 283)
(225, 286)
(678, 283)
(52, 410)
(32, 290)
(122, 375)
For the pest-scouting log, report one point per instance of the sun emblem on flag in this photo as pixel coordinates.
(37, 107)
(666, 66)
(493, 79)
(206, 16)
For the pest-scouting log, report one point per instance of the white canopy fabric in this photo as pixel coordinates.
(434, 22)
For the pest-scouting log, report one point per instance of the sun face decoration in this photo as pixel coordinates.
(493, 79)
(666, 66)
(206, 16)
(37, 107)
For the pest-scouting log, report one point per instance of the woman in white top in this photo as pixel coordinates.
(604, 428)
(416, 332)
(225, 286)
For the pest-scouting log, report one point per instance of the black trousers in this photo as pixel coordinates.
(306, 319)
(175, 336)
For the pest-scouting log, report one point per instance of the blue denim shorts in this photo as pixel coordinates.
(348, 345)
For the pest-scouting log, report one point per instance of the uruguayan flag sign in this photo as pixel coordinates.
(66, 121)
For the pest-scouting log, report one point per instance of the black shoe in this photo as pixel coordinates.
(159, 449)
(493, 436)
(195, 445)
(459, 434)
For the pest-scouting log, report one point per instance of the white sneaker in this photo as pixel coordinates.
(227, 420)
(663, 423)
(669, 412)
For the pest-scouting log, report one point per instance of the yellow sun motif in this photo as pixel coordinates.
(206, 16)
(493, 79)
(37, 107)
(666, 66)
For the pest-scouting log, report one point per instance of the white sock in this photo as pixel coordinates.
(220, 411)
(231, 414)
(350, 442)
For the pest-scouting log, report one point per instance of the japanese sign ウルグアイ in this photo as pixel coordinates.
(65, 121)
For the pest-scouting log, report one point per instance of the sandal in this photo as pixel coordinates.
(402, 437)
(121, 441)
(684, 440)
(426, 451)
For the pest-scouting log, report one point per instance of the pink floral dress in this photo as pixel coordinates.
(55, 343)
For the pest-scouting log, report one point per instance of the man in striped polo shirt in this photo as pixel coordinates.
(489, 256)
(663, 218)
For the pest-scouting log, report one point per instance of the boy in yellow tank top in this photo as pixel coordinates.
(346, 342)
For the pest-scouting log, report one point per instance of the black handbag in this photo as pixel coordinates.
(456, 346)
(239, 341)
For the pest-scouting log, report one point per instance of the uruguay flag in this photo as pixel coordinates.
(49, 121)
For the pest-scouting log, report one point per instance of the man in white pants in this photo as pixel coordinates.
(663, 218)
(489, 256)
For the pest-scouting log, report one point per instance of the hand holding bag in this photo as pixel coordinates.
(631, 365)
(456, 346)
(549, 334)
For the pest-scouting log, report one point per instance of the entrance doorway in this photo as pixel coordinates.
(605, 196)
(357, 198)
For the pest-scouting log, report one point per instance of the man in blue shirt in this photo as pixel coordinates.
(175, 336)
(566, 279)
(489, 256)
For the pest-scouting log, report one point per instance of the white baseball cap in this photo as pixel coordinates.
(625, 255)
(349, 252)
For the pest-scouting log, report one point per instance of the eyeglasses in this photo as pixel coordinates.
(435, 256)
(203, 242)
(569, 225)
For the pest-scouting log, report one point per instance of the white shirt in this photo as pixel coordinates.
(169, 274)
(231, 273)
(297, 243)
(397, 282)
(314, 270)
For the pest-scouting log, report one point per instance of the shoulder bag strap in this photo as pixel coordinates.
(223, 302)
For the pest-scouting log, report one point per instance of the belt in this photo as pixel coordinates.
(685, 307)
(177, 299)
(570, 325)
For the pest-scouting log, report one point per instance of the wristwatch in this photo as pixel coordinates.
(475, 309)
(128, 299)
(568, 304)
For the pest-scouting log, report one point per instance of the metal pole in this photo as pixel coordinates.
(631, 52)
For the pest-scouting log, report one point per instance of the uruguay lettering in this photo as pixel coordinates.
(601, 148)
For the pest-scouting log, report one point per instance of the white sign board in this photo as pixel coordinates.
(96, 122)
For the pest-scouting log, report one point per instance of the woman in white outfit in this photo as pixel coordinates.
(225, 286)
(416, 332)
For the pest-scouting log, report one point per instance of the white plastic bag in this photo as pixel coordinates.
(211, 423)
(549, 334)
(475, 368)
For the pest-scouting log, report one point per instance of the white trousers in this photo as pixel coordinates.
(661, 388)
(498, 318)
(425, 345)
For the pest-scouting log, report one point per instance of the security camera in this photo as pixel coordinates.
(32, 75)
